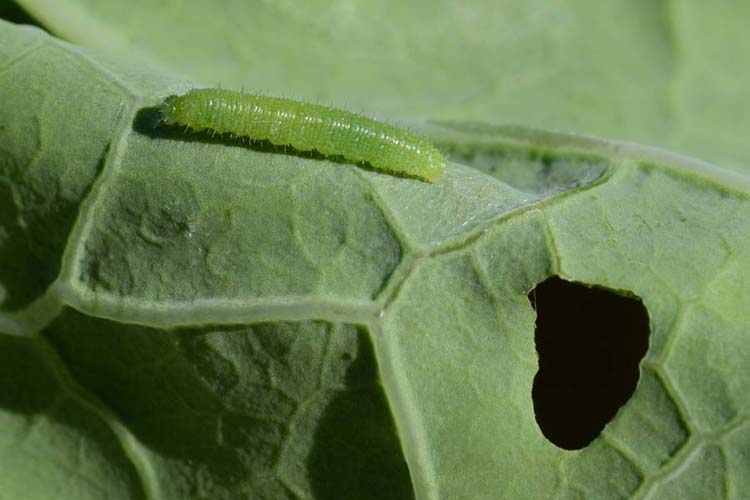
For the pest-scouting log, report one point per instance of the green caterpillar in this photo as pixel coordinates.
(305, 127)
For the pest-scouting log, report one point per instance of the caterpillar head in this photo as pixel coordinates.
(168, 109)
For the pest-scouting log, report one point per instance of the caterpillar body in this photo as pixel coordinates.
(305, 127)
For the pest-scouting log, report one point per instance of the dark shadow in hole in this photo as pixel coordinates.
(590, 342)
(356, 452)
(148, 122)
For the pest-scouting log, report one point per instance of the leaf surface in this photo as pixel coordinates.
(672, 74)
(213, 320)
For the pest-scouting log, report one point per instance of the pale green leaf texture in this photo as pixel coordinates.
(668, 72)
(184, 318)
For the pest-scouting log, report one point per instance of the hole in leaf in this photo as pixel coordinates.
(590, 342)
